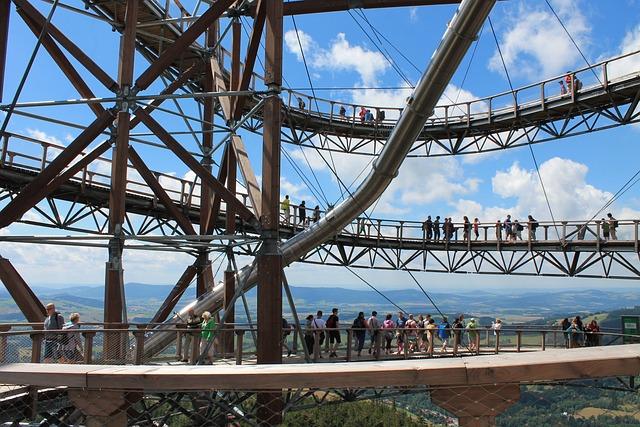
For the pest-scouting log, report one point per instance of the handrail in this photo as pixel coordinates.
(361, 227)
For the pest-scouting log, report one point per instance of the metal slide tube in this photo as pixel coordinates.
(457, 39)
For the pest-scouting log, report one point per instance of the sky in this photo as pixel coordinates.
(342, 50)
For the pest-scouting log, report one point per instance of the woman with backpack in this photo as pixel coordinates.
(71, 341)
(388, 326)
(359, 330)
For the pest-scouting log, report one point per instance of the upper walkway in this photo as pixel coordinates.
(533, 113)
(365, 242)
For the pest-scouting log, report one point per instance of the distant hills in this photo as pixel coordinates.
(519, 306)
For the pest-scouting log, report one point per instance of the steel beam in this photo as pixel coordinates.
(5, 13)
(302, 7)
(63, 63)
(160, 193)
(28, 197)
(174, 295)
(73, 49)
(115, 305)
(21, 293)
(251, 55)
(178, 47)
(206, 176)
(269, 260)
(217, 200)
(248, 175)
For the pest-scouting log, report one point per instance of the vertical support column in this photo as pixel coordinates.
(230, 274)
(114, 305)
(204, 274)
(270, 258)
(5, 12)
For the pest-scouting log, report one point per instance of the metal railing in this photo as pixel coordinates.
(23, 152)
(232, 343)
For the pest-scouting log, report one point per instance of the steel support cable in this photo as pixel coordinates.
(375, 289)
(533, 156)
(304, 155)
(411, 85)
(27, 70)
(306, 68)
(304, 179)
(425, 293)
(393, 65)
(617, 195)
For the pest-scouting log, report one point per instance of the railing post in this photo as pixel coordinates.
(36, 346)
(88, 346)
(239, 348)
(139, 335)
(3, 343)
(555, 339)
(316, 345)
(195, 348)
(179, 344)
(477, 344)
(431, 341)
(635, 235)
(406, 344)
(378, 341)
(546, 232)
(605, 76)
(518, 340)
(564, 230)
(488, 337)
(497, 344)
(43, 160)
(349, 344)
(598, 235)
(456, 340)
(544, 340)
(5, 148)
(542, 97)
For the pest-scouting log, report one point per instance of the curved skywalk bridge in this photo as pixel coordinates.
(565, 248)
(533, 113)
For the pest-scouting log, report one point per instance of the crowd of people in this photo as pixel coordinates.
(437, 230)
(405, 333)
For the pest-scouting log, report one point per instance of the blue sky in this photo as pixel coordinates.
(580, 172)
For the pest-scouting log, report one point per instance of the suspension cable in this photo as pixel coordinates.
(304, 60)
(533, 156)
(375, 289)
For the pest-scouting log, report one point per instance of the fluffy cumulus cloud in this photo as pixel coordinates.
(630, 43)
(341, 55)
(570, 195)
(534, 42)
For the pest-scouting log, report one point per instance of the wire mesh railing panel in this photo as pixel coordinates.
(612, 401)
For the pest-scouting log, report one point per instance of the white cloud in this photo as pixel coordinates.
(621, 67)
(293, 45)
(413, 15)
(570, 195)
(535, 43)
(340, 56)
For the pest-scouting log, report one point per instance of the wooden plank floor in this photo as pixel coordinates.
(552, 365)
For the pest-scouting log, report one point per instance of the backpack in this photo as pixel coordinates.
(520, 227)
(358, 323)
(331, 321)
(443, 330)
(65, 339)
(615, 224)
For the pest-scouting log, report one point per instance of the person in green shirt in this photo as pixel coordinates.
(473, 334)
(207, 343)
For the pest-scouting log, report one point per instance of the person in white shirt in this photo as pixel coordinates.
(319, 324)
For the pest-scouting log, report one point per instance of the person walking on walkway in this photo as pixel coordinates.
(53, 321)
(436, 229)
(319, 326)
(373, 324)
(333, 323)
(207, 344)
(302, 214)
(532, 225)
(309, 339)
(285, 207)
(476, 226)
(613, 224)
(193, 325)
(388, 327)
(359, 330)
(444, 333)
(71, 341)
